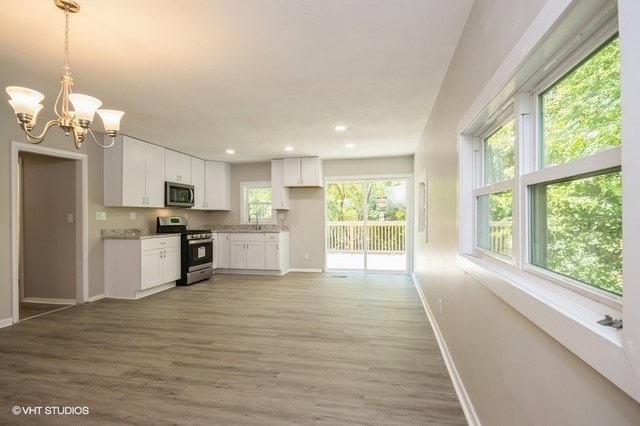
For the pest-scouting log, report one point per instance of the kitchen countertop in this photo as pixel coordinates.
(131, 234)
(264, 229)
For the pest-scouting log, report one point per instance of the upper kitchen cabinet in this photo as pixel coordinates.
(177, 167)
(134, 173)
(217, 175)
(305, 171)
(198, 182)
(279, 193)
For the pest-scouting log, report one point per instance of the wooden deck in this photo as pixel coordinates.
(300, 349)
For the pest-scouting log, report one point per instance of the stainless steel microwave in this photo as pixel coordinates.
(178, 195)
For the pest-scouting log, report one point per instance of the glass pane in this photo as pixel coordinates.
(495, 222)
(498, 155)
(577, 229)
(259, 202)
(387, 225)
(581, 113)
(345, 225)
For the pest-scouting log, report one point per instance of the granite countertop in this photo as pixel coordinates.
(130, 234)
(264, 229)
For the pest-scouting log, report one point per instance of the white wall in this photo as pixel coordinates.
(513, 371)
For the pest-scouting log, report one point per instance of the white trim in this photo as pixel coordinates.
(463, 397)
(49, 301)
(305, 270)
(153, 290)
(6, 322)
(244, 220)
(97, 297)
(82, 222)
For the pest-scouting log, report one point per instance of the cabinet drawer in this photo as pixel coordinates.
(156, 243)
(248, 237)
(272, 237)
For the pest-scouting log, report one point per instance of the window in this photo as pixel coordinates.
(494, 197)
(576, 216)
(256, 203)
(573, 191)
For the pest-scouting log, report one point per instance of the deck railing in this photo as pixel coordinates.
(382, 237)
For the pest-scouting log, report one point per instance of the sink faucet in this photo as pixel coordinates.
(257, 224)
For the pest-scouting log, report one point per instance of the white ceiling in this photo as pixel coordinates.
(201, 76)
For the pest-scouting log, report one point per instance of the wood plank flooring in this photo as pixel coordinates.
(246, 350)
(29, 310)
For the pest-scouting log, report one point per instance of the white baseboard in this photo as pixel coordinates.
(6, 322)
(304, 270)
(49, 301)
(463, 396)
(96, 298)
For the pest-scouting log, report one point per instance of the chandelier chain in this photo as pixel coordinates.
(67, 66)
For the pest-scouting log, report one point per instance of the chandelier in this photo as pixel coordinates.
(26, 102)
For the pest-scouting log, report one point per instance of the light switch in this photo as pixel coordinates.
(101, 215)
(132, 215)
(70, 217)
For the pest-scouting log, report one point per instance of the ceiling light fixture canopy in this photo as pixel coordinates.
(26, 102)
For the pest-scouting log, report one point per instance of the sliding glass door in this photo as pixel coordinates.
(366, 225)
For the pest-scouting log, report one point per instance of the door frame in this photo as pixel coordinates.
(81, 214)
(409, 232)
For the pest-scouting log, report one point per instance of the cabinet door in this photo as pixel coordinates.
(272, 256)
(171, 264)
(151, 268)
(237, 255)
(279, 193)
(223, 251)
(291, 172)
(197, 180)
(255, 255)
(175, 167)
(311, 171)
(218, 185)
(133, 190)
(154, 175)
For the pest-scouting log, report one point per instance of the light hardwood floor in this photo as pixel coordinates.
(300, 349)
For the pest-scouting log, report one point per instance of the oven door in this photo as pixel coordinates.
(199, 254)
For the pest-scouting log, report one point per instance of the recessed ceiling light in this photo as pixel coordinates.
(349, 145)
(230, 151)
(340, 128)
(287, 148)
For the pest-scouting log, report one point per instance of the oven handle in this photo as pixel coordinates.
(202, 241)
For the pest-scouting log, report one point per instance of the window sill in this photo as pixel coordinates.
(569, 318)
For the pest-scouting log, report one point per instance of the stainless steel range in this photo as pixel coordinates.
(197, 249)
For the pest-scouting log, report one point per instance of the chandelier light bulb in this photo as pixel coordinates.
(110, 119)
(85, 106)
(24, 100)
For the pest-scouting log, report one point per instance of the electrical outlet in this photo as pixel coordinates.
(132, 215)
(70, 217)
(306, 256)
(101, 215)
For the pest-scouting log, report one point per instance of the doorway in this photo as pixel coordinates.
(49, 229)
(367, 225)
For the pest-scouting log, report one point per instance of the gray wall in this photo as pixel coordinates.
(514, 373)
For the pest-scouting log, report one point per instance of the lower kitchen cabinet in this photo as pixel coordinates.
(254, 252)
(138, 268)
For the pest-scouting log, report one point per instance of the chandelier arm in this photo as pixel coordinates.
(38, 139)
(113, 140)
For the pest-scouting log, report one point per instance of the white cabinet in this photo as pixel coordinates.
(198, 182)
(137, 268)
(134, 173)
(277, 251)
(305, 171)
(247, 251)
(223, 251)
(177, 167)
(279, 192)
(217, 185)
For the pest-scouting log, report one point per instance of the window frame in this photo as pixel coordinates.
(244, 204)
(561, 36)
